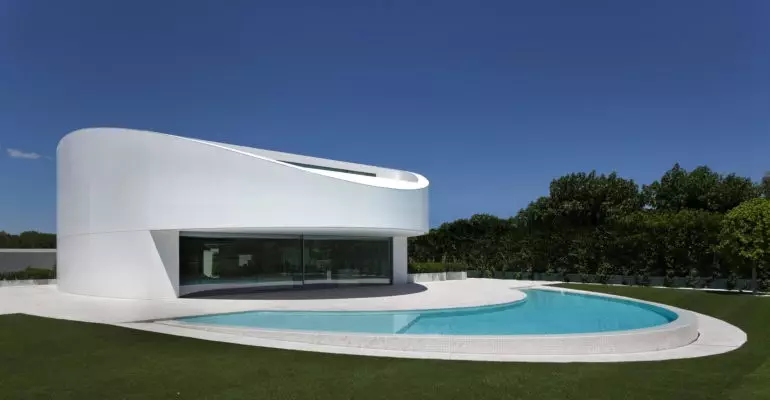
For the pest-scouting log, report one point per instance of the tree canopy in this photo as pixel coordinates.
(27, 240)
(746, 230)
(599, 224)
(700, 189)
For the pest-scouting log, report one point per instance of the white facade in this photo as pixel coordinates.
(124, 196)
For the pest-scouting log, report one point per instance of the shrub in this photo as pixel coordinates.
(424, 268)
(763, 279)
(41, 273)
(710, 280)
(530, 273)
(746, 232)
(627, 275)
(563, 274)
(584, 273)
(693, 279)
(732, 281)
(604, 272)
(29, 273)
(642, 277)
(668, 279)
(455, 267)
(434, 267)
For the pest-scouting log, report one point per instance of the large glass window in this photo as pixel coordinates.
(281, 261)
(345, 261)
(240, 261)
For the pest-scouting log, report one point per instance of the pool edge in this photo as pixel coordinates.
(678, 333)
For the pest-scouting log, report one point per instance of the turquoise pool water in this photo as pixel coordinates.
(543, 312)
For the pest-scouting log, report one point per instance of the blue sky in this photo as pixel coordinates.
(489, 100)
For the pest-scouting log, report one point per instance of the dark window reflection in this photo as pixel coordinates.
(269, 261)
(278, 261)
(347, 261)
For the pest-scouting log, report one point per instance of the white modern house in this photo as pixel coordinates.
(144, 215)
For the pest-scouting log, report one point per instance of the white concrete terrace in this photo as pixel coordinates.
(715, 336)
(47, 301)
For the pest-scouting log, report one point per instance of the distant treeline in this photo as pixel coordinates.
(603, 225)
(27, 240)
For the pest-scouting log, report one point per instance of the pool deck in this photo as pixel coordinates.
(47, 301)
(715, 336)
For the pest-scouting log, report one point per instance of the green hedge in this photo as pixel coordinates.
(455, 267)
(602, 225)
(433, 267)
(28, 273)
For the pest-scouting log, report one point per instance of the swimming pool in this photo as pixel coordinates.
(543, 312)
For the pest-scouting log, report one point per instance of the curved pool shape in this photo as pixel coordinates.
(543, 312)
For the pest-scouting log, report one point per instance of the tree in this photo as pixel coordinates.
(591, 220)
(28, 240)
(668, 194)
(536, 224)
(731, 191)
(590, 199)
(764, 186)
(746, 232)
(701, 189)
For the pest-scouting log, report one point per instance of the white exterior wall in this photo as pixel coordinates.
(124, 195)
(400, 260)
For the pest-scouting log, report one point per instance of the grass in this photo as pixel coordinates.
(55, 359)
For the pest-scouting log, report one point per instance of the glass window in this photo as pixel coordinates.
(240, 261)
(345, 261)
(275, 262)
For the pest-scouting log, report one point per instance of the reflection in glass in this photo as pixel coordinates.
(235, 262)
(265, 261)
(342, 261)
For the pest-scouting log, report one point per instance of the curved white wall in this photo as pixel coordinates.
(123, 196)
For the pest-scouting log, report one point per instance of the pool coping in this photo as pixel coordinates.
(629, 345)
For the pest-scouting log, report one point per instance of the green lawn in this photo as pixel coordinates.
(46, 359)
